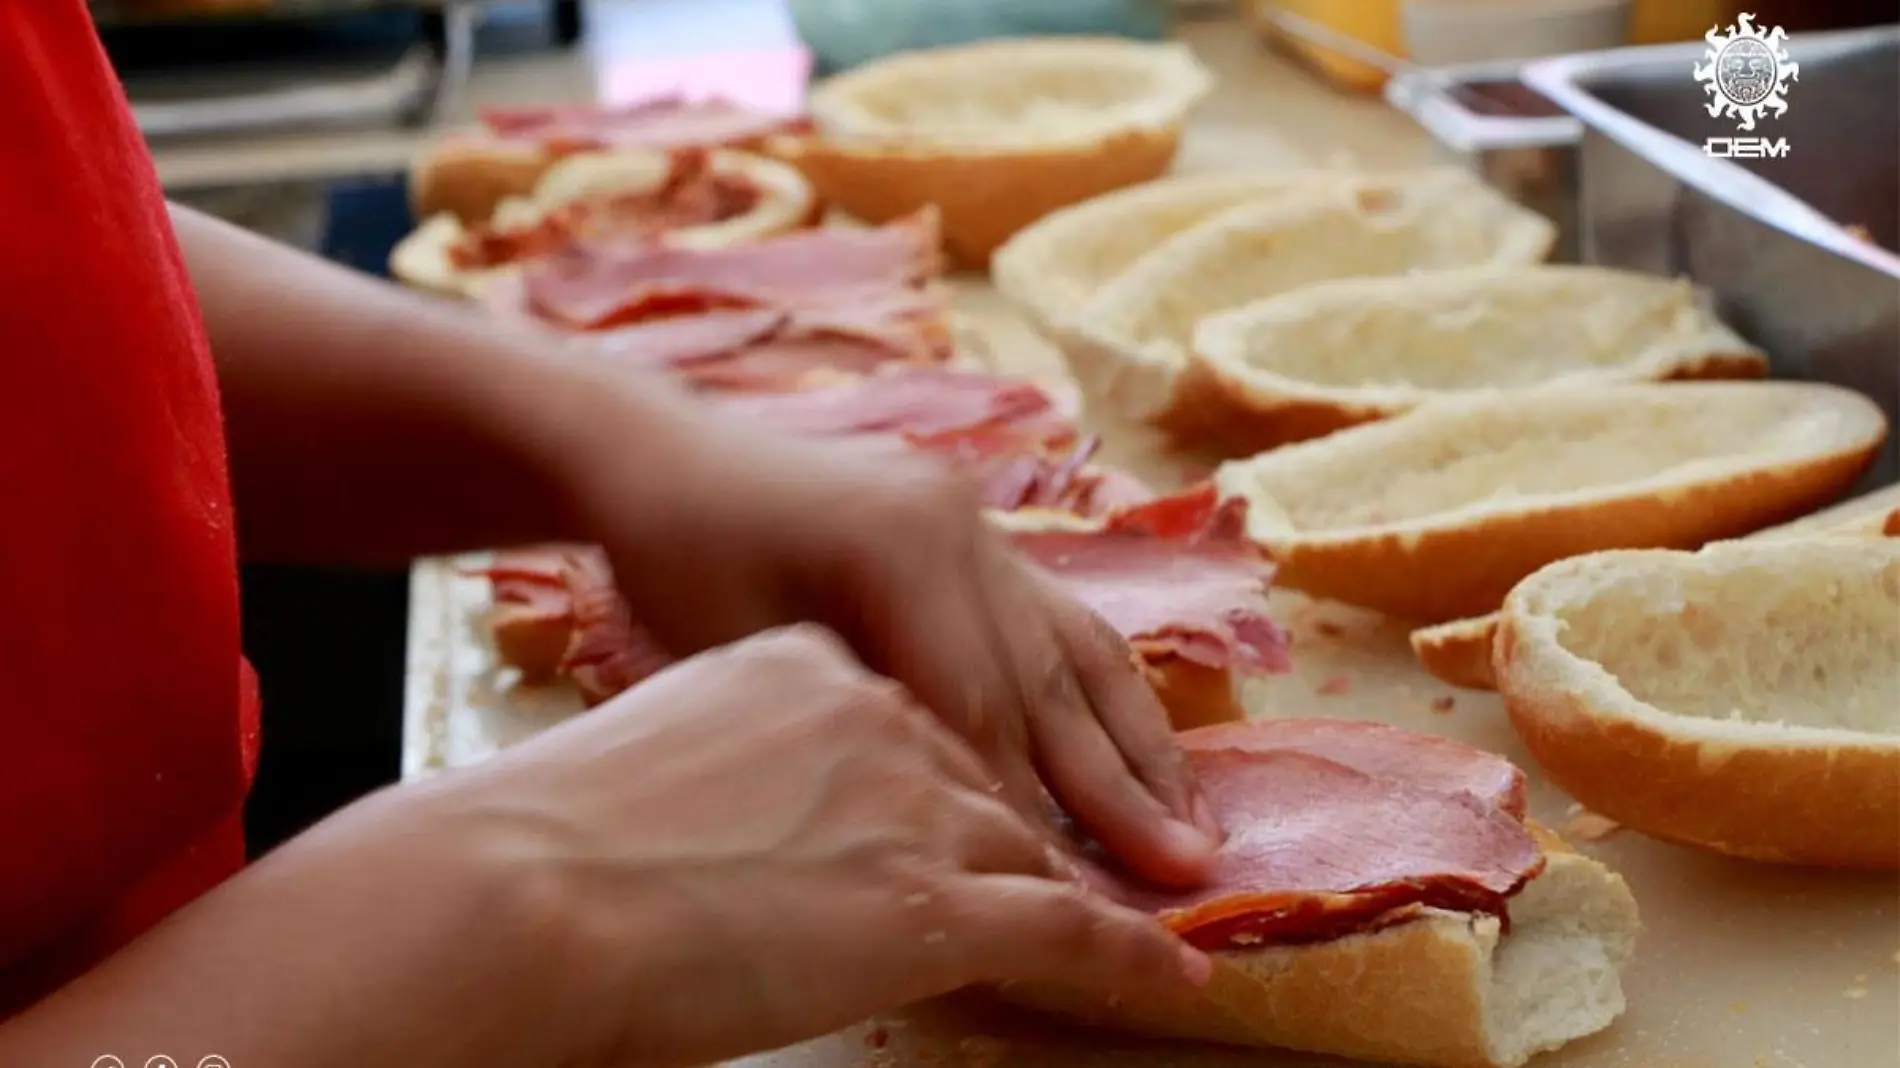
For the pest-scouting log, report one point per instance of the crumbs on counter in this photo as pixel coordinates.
(1443, 703)
(1334, 686)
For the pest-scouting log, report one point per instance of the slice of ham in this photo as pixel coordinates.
(925, 402)
(767, 351)
(1338, 827)
(1316, 850)
(608, 651)
(594, 286)
(692, 193)
(666, 122)
(1176, 576)
(1427, 761)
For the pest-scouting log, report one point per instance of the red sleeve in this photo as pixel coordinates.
(127, 719)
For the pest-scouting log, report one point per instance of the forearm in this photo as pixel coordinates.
(368, 425)
(350, 945)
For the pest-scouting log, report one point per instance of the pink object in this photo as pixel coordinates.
(771, 80)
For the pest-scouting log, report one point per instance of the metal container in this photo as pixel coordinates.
(1769, 238)
(1486, 120)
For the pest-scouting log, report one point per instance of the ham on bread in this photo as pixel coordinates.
(1178, 578)
(1380, 895)
(686, 197)
(1170, 575)
(597, 285)
(470, 173)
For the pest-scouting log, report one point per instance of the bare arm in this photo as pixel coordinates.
(370, 425)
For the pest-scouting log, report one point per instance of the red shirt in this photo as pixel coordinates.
(127, 716)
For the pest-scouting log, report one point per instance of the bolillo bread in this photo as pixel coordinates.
(1459, 652)
(997, 134)
(1050, 269)
(785, 202)
(1129, 344)
(1743, 699)
(1342, 353)
(1447, 990)
(1435, 515)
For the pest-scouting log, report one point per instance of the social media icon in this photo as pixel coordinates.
(161, 1061)
(107, 1060)
(213, 1061)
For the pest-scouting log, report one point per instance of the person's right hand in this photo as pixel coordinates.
(767, 842)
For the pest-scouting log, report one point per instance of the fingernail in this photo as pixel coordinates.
(1191, 841)
(1196, 967)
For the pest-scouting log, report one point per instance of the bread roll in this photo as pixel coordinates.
(1436, 514)
(1448, 990)
(999, 133)
(1341, 353)
(1459, 652)
(1743, 699)
(1129, 344)
(1050, 269)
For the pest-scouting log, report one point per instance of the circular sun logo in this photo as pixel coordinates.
(1746, 72)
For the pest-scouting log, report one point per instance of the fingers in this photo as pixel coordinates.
(1133, 717)
(1015, 929)
(1077, 689)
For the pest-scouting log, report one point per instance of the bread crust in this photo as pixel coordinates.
(1448, 566)
(1415, 993)
(989, 171)
(1742, 788)
(1263, 375)
(1459, 652)
(1194, 695)
(468, 175)
(1050, 269)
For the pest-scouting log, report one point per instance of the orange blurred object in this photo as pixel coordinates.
(1378, 23)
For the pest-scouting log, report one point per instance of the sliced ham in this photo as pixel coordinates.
(1176, 576)
(925, 402)
(608, 651)
(593, 286)
(1426, 761)
(1317, 849)
(666, 122)
(769, 351)
(691, 194)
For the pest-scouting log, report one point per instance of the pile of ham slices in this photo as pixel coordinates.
(841, 333)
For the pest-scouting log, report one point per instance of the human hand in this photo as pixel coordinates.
(766, 842)
(892, 553)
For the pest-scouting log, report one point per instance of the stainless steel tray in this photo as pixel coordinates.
(1768, 238)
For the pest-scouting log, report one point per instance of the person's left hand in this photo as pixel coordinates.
(757, 531)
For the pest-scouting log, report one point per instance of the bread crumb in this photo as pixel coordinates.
(1590, 827)
(1443, 703)
(1334, 686)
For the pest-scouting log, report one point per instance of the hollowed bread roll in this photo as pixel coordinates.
(999, 133)
(1354, 351)
(1129, 344)
(1435, 515)
(1743, 699)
